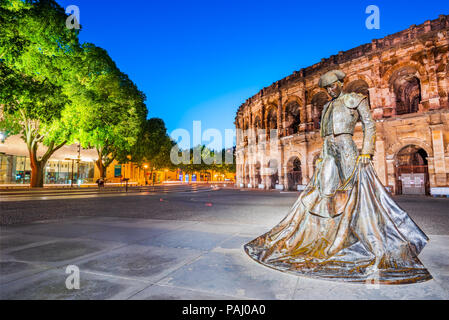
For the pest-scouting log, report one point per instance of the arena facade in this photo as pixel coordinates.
(406, 77)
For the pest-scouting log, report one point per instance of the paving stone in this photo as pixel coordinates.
(312, 289)
(225, 228)
(12, 270)
(60, 252)
(232, 272)
(188, 239)
(435, 255)
(15, 241)
(125, 234)
(236, 242)
(50, 285)
(139, 262)
(156, 292)
(63, 229)
(139, 223)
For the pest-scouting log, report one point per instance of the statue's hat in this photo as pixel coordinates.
(330, 77)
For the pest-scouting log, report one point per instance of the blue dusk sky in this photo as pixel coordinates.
(199, 60)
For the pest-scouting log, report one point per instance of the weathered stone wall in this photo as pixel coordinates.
(405, 76)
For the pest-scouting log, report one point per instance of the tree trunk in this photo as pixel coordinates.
(37, 173)
(101, 168)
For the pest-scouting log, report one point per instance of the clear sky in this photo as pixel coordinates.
(199, 60)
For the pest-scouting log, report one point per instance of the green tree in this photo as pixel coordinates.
(226, 166)
(153, 146)
(36, 54)
(107, 109)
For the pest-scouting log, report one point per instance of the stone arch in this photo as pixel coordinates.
(240, 133)
(257, 125)
(257, 114)
(318, 101)
(257, 173)
(359, 76)
(411, 64)
(239, 122)
(246, 124)
(292, 117)
(290, 99)
(271, 117)
(398, 146)
(247, 176)
(273, 173)
(406, 85)
(411, 170)
(294, 172)
(313, 92)
(245, 127)
(357, 86)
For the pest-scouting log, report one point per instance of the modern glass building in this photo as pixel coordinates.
(68, 165)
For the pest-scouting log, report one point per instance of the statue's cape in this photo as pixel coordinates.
(370, 239)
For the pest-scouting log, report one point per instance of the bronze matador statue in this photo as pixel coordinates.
(345, 226)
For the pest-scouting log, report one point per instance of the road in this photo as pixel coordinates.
(191, 202)
(13, 195)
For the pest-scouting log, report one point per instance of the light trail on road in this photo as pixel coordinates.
(48, 194)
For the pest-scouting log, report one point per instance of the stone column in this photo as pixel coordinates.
(251, 170)
(438, 154)
(380, 163)
(285, 169)
(239, 173)
(281, 170)
(304, 171)
(391, 174)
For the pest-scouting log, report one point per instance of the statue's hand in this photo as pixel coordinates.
(365, 158)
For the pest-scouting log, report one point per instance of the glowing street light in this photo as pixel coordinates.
(145, 167)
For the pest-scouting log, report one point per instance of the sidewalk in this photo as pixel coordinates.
(124, 258)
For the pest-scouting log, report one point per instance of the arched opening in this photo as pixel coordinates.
(358, 86)
(245, 132)
(273, 173)
(247, 176)
(318, 102)
(292, 118)
(239, 124)
(272, 121)
(294, 174)
(412, 174)
(407, 90)
(257, 127)
(257, 173)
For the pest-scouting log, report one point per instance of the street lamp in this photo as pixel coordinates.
(153, 177)
(78, 161)
(145, 167)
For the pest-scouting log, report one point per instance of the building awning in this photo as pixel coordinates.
(15, 146)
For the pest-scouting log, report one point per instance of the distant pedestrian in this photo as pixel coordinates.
(100, 182)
